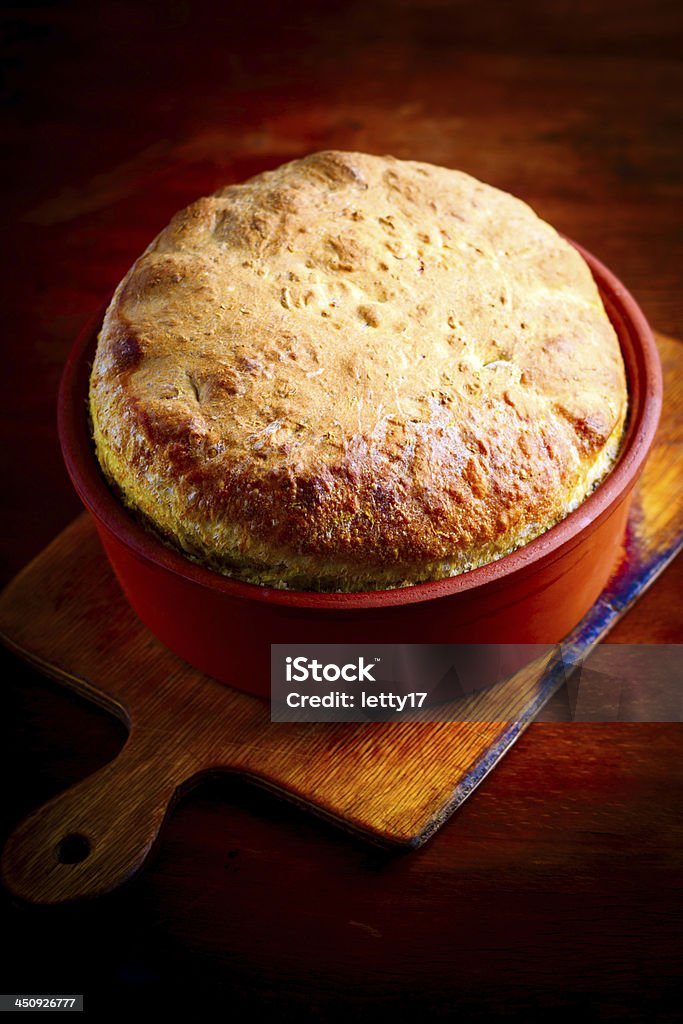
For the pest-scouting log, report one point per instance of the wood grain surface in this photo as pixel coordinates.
(558, 887)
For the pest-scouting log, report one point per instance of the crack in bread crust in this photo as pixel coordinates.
(356, 372)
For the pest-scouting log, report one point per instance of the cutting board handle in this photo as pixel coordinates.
(97, 834)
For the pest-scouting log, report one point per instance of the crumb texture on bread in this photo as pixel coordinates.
(356, 372)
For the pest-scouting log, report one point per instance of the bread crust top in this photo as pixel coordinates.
(356, 372)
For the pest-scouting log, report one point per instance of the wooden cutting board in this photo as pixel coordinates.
(394, 782)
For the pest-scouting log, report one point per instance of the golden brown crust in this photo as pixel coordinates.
(355, 372)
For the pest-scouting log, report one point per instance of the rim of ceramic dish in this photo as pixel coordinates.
(644, 380)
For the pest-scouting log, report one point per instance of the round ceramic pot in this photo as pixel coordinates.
(224, 627)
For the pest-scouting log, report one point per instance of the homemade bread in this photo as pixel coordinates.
(355, 372)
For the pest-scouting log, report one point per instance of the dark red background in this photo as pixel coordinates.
(559, 884)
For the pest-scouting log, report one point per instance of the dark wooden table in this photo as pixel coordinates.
(558, 885)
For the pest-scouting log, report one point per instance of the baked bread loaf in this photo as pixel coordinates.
(355, 372)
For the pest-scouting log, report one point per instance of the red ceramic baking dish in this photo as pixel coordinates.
(224, 627)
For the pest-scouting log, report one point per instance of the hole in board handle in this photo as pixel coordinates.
(72, 849)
